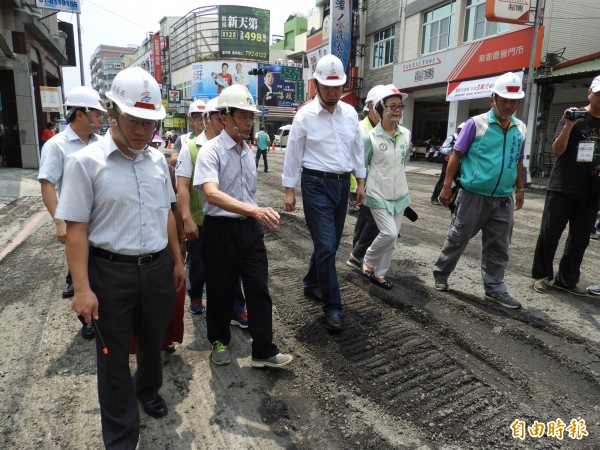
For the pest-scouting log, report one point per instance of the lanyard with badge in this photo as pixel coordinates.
(585, 151)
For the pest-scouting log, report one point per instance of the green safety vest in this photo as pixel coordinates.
(195, 195)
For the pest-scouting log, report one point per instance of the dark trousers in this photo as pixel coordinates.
(365, 232)
(231, 248)
(264, 155)
(131, 298)
(440, 182)
(325, 203)
(197, 276)
(561, 209)
(68, 278)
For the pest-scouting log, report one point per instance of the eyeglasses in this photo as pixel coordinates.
(196, 116)
(396, 107)
(134, 123)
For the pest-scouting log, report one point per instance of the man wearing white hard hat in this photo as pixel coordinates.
(189, 201)
(123, 252)
(489, 150)
(233, 243)
(571, 198)
(195, 113)
(84, 117)
(325, 147)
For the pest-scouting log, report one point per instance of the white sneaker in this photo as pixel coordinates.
(277, 361)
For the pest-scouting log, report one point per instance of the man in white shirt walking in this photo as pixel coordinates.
(325, 144)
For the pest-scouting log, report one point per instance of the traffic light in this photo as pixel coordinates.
(258, 72)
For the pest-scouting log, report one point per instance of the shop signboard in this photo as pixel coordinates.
(72, 6)
(209, 78)
(51, 99)
(509, 11)
(244, 33)
(479, 59)
(174, 98)
(157, 53)
(470, 89)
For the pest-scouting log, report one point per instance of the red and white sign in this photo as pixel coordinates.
(479, 59)
(174, 96)
(510, 11)
(157, 53)
(466, 90)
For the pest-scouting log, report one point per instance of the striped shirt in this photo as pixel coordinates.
(219, 162)
(55, 153)
(125, 202)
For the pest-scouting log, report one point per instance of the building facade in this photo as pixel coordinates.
(106, 62)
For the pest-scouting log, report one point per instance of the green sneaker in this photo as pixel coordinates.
(220, 354)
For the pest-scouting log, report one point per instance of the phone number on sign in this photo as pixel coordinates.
(256, 54)
(69, 3)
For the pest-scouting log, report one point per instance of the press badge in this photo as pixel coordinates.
(585, 151)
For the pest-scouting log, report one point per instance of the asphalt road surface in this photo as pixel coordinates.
(415, 368)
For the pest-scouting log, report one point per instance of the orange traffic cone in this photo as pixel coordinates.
(169, 144)
(273, 146)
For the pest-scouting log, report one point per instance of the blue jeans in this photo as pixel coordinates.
(325, 203)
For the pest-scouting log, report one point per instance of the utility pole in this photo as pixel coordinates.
(81, 74)
(539, 17)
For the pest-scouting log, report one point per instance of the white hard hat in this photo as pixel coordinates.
(372, 95)
(197, 106)
(136, 93)
(389, 90)
(236, 96)
(330, 71)
(211, 106)
(509, 86)
(84, 97)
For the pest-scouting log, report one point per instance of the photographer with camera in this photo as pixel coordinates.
(572, 196)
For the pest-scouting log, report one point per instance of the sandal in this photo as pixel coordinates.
(382, 284)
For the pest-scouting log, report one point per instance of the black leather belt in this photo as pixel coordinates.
(332, 175)
(140, 260)
(226, 218)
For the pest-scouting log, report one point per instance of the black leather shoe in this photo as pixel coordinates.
(68, 292)
(314, 293)
(334, 322)
(156, 407)
(87, 331)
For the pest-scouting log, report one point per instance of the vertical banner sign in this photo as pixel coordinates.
(244, 33)
(157, 52)
(341, 29)
(72, 6)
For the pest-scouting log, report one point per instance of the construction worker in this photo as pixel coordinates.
(84, 117)
(124, 253)
(233, 242)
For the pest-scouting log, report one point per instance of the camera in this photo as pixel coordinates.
(575, 114)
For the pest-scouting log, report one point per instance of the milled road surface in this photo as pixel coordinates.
(415, 368)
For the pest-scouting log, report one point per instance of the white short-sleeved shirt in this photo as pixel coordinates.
(184, 167)
(55, 153)
(125, 202)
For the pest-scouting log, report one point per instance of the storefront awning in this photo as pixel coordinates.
(582, 67)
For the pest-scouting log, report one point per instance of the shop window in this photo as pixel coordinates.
(438, 28)
(383, 47)
(476, 25)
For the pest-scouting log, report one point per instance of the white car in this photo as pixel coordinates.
(281, 137)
